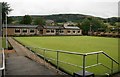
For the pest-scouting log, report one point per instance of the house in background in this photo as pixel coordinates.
(17, 30)
(70, 23)
(50, 22)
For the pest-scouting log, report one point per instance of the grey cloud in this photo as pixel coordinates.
(102, 8)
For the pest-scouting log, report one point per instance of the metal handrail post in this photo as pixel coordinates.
(112, 67)
(84, 62)
(3, 73)
(44, 55)
(57, 59)
(97, 58)
(118, 67)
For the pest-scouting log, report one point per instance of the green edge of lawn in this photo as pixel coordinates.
(4, 44)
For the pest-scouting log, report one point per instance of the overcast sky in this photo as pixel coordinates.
(100, 8)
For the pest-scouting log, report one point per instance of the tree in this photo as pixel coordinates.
(5, 10)
(39, 21)
(10, 20)
(96, 24)
(85, 26)
(61, 20)
(92, 22)
(113, 20)
(26, 20)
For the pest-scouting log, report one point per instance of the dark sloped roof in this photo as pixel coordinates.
(71, 27)
(21, 26)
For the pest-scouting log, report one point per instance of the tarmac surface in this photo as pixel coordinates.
(18, 64)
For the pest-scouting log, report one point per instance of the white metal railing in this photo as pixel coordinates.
(3, 63)
(84, 55)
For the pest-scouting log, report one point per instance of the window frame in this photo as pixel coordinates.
(74, 31)
(24, 31)
(32, 31)
(48, 31)
(52, 31)
(17, 31)
(78, 31)
(68, 31)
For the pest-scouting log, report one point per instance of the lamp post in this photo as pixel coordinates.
(90, 29)
(6, 31)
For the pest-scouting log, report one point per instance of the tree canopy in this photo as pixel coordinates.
(5, 10)
(94, 23)
(39, 21)
(26, 20)
(10, 20)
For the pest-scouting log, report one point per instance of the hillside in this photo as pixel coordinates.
(65, 17)
(59, 17)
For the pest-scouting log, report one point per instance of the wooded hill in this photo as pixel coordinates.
(60, 18)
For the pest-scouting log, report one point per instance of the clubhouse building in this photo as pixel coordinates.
(18, 30)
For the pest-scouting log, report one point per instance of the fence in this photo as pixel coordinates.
(2, 68)
(56, 59)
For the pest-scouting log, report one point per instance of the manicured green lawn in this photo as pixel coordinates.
(4, 43)
(81, 44)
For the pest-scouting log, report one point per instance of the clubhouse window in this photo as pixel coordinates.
(52, 31)
(61, 31)
(68, 31)
(32, 31)
(48, 31)
(24, 30)
(78, 31)
(73, 31)
(17, 30)
(57, 30)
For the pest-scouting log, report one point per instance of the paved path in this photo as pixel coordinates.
(18, 64)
